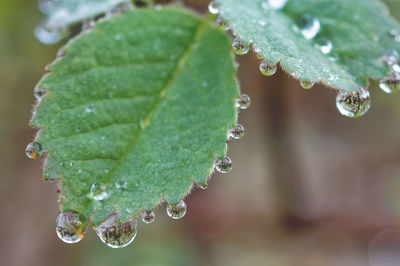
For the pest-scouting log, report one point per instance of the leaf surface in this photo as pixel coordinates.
(146, 97)
(361, 33)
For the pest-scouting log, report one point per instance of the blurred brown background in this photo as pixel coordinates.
(309, 187)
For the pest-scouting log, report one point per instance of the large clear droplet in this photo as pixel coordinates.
(325, 45)
(47, 35)
(117, 234)
(223, 166)
(306, 84)
(353, 104)
(34, 150)
(390, 84)
(309, 26)
(240, 47)
(98, 191)
(236, 132)
(148, 217)
(243, 102)
(69, 227)
(267, 69)
(177, 211)
(214, 7)
(277, 4)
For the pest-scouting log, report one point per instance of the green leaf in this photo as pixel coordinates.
(63, 13)
(147, 96)
(358, 29)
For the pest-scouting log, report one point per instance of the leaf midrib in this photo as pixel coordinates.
(199, 31)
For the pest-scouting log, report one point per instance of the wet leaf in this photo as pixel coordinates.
(360, 31)
(138, 108)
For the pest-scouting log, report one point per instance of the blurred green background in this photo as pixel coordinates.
(309, 187)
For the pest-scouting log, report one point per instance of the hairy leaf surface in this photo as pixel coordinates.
(361, 32)
(146, 97)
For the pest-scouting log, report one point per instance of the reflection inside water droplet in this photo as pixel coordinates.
(148, 217)
(267, 69)
(33, 150)
(223, 166)
(177, 211)
(240, 47)
(236, 132)
(306, 84)
(353, 104)
(243, 102)
(70, 228)
(116, 234)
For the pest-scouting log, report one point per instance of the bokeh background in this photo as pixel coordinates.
(309, 187)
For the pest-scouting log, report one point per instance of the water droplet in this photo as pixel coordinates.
(267, 69)
(309, 26)
(222, 24)
(277, 4)
(236, 132)
(203, 186)
(47, 35)
(325, 45)
(39, 93)
(46, 6)
(240, 47)
(390, 84)
(177, 211)
(89, 109)
(158, 7)
(88, 24)
(214, 7)
(353, 104)
(148, 217)
(98, 191)
(243, 102)
(306, 84)
(121, 183)
(223, 166)
(34, 150)
(69, 227)
(117, 234)
(392, 58)
(259, 55)
(395, 34)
